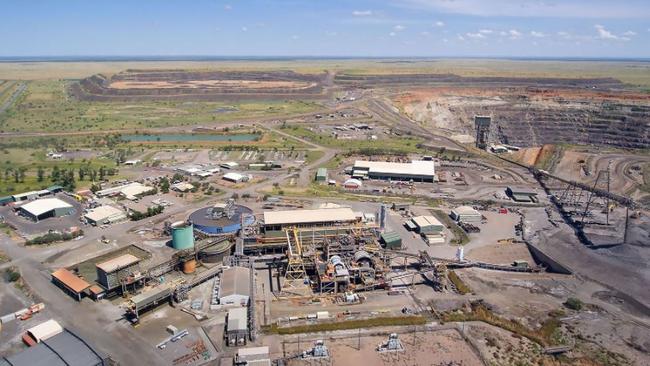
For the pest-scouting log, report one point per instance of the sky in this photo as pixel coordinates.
(332, 28)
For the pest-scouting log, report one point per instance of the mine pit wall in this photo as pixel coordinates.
(551, 264)
(617, 125)
(97, 87)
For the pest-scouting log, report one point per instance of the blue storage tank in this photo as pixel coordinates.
(221, 219)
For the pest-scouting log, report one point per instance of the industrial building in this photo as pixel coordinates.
(149, 299)
(45, 208)
(182, 187)
(42, 331)
(425, 225)
(254, 356)
(416, 170)
(324, 217)
(391, 240)
(352, 183)
(119, 271)
(130, 191)
(64, 348)
(235, 286)
(234, 177)
(221, 218)
(229, 165)
(237, 326)
(104, 215)
(321, 175)
(521, 195)
(70, 283)
(466, 214)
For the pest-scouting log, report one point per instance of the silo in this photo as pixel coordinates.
(182, 235)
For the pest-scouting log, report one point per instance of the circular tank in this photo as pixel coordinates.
(182, 235)
(213, 220)
(189, 266)
(216, 253)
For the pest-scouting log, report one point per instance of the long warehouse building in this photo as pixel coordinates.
(416, 170)
(46, 207)
(322, 217)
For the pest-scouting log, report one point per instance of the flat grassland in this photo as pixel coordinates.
(633, 73)
(46, 107)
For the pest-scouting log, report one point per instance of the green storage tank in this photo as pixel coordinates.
(182, 235)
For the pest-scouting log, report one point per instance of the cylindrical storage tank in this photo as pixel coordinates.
(182, 235)
(189, 266)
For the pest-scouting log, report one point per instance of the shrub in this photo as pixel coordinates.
(12, 274)
(573, 303)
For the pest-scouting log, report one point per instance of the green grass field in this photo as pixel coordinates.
(46, 107)
(32, 159)
(394, 144)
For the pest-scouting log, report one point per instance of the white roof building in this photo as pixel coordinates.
(45, 330)
(182, 186)
(104, 215)
(129, 191)
(234, 287)
(416, 170)
(253, 356)
(46, 207)
(466, 214)
(233, 177)
(237, 319)
(322, 216)
(132, 191)
(116, 263)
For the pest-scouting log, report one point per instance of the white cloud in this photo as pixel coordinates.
(630, 33)
(399, 28)
(331, 34)
(607, 35)
(533, 8)
(227, 7)
(445, 40)
(477, 35)
(392, 34)
(604, 33)
(244, 29)
(514, 34)
(362, 13)
(461, 38)
(294, 37)
(564, 34)
(425, 33)
(486, 31)
(537, 34)
(439, 24)
(503, 33)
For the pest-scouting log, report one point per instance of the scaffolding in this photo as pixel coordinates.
(295, 276)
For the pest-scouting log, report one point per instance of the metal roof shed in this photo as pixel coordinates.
(235, 286)
(321, 174)
(45, 330)
(70, 282)
(237, 319)
(65, 348)
(391, 239)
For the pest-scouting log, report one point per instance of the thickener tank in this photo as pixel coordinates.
(182, 235)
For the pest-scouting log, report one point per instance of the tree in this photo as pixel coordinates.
(55, 176)
(164, 185)
(40, 174)
(21, 174)
(82, 173)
